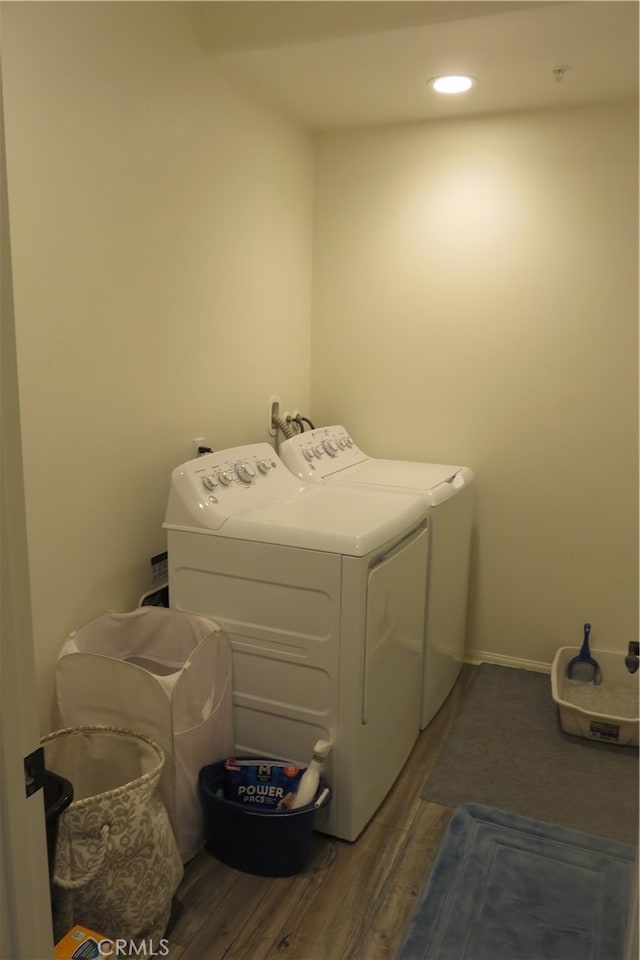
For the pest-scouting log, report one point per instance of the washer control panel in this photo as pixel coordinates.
(208, 490)
(318, 453)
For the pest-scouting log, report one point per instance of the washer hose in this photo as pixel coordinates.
(284, 427)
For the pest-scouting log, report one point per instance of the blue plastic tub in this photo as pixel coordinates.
(269, 843)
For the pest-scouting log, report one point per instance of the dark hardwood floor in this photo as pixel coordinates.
(353, 900)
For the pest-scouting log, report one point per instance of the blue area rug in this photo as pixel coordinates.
(506, 887)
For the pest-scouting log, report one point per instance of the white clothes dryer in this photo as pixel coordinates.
(330, 455)
(320, 590)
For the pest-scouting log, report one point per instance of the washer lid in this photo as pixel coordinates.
(248, 493)
(331, 454)
(401, 473)
(436, 481)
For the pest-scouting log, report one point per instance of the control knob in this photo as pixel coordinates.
(263, 466)
(225, 478)
(210, 482)
(245, 472)
(331, 447)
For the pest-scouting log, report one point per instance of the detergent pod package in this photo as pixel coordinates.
(267, 784)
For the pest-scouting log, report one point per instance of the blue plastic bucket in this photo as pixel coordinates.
(269, 843)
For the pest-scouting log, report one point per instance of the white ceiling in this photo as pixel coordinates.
(345, 63)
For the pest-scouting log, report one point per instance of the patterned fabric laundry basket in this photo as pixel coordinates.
(117, 864)
(163, 673)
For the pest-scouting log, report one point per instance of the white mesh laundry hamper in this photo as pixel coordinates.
(167, 675)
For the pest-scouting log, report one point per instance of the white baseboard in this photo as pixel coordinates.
(484, 656)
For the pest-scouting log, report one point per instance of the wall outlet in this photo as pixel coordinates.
(198, 442)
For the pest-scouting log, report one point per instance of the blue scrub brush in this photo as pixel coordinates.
(584, 667)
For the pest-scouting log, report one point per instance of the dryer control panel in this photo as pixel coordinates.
(208, 490)
(320, 453)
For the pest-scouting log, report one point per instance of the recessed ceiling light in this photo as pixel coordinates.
(452, 84)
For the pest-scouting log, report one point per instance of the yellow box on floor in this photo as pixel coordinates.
(80, 943)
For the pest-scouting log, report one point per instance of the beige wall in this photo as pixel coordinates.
(475, 301)
(161, 228)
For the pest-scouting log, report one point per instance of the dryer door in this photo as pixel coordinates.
(394, 635)
(387, 720)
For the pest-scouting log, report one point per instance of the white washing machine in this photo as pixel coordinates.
(330, 454)
(320, 590)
